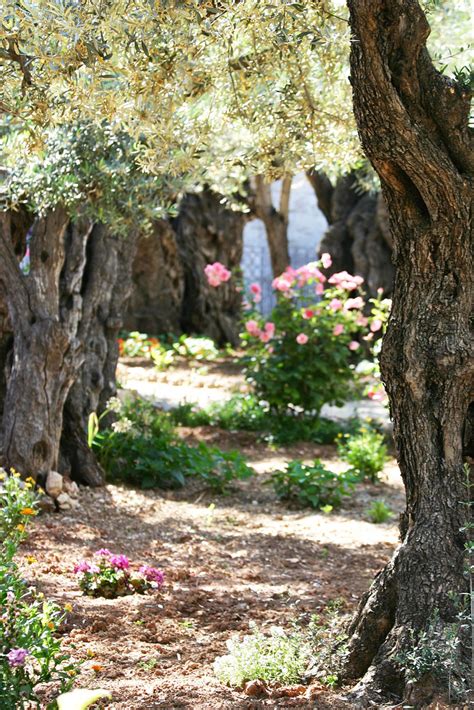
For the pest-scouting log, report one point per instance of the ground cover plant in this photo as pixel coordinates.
(30, 646)
(247, 412)
(165, 350)
(312, 484)
(365, 451)
(111, 576)
(141, 448)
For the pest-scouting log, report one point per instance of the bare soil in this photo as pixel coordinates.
(229, 560)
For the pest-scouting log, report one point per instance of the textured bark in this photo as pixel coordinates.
(275, 221)
(206, 232)
(108, 278)
(358, 237)
(158, 283)
(424, 159)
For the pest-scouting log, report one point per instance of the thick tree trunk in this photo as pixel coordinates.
(358, 237)
(424, 161)
(206, 232)
(108, 277)
(158, 283)
(275, 221)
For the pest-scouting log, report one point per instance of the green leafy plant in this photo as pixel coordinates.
(305, 355)
(196, 348)
(141, 448)
(312, 485)
(379, 512)
(275, 657)
(365, 451)
(30, 649)
(246, 412)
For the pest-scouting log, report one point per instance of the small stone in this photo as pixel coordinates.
(54, 484)
(64, 501)
(254, 688)
(71, 488)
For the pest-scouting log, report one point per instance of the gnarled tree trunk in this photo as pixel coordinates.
(275, 221)
(108, 277)
(206, 232)
(158, 283)
(413, 123)
(358, 237)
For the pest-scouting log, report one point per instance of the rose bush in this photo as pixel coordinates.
(304, 355)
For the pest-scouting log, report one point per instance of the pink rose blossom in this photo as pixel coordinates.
(326, 260)
(338, 329)
(376, 325)
(353, 345)
(346, 281)
(335, 304)
(252, 328)
(216, 274)
(302, 339)
(319, 289)
(269, 329)
(354, 303)
(282, 283)
(264, 337)
(361, 320)
(307, 313)
(368, 337)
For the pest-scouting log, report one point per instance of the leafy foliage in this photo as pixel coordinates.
(365, 451)
(141, 448)
(379, 512)
(304, 356)
(30, 650)
(311, 485)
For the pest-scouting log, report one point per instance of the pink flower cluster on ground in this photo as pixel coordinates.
(152, 574)
(146, 576)
(216, 274)
(17, 656)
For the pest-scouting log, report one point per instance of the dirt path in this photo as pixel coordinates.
(228, 561)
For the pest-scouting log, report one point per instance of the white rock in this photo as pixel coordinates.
(71, 488)
(54, 484)
(64, 501)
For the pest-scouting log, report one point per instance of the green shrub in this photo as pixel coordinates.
(312, 485)
(365, 452)
(30, 650)
(141, 448)
(304, 356)
(246, 412)
(379, 512)
(196, 347)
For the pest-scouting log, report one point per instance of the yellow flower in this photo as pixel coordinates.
(90, 653)
(20, 527)
(72, 673)
(27, 511)
(30, 480)
(96, 668)
(31, 560)
(40, 491)
(68, 607)
(2, 476)
(51, 625)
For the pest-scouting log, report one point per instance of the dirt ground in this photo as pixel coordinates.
(228, 560)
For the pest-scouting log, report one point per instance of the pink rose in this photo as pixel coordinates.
(256, 291)
(264, 337)
(335, 304)
(354, 303)
(376, 325)
(216, 274)
(269, 328)
(376, 395)
(319, 289)
(302, 339)
(353, 345)
(361, 320)
(252, 328)
(346, 281)
(282, 283)
(338, 329)
(326, 260)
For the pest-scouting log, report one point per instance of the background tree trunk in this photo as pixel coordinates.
(206, 232)
(424, 160)
(358, 237)
(158, 283)
(108, 277)
(275, 221)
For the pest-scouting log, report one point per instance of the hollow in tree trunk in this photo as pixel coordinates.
(423, 156)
